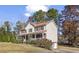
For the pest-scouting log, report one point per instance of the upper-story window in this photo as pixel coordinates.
(36, 29)
(39, 28)
(42, 28)
(30, 30)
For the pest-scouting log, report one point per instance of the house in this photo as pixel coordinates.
(40, 30)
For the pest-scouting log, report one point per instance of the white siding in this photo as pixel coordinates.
(44, 27)
(51, 33)
(29, 26)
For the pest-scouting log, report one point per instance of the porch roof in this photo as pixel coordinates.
(41, 31)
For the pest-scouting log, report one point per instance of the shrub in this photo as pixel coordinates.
(7, 37)
(33, 42)
(44, 43)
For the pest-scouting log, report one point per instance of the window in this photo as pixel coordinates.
(39, 36)
(33, 36)
(42, 28)
(30, 30)
(39, 28)
(36, 29)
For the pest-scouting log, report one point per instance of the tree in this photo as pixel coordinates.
(39, 16)
(6, 35)
(7, 26)
(71, 12)
(2, 32)
(69, 30)
(52, 14)
(70, 15)
(20, 25)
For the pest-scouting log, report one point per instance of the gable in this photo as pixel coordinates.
(29, 26)
(52, 24)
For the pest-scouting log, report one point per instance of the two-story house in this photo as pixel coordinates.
(40, 30)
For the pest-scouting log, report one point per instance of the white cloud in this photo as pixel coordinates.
(27, 14)
(30, 9)
(33, 8)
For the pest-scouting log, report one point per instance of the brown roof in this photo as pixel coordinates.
(37, 24)
(22, 29)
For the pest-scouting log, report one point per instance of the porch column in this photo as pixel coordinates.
(29, 36)
(35, 36)
(25, 38)
(42, 35)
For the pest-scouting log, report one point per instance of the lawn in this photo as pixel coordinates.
(68, 49)
(20, 48)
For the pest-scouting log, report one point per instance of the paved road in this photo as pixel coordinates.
(63, 49)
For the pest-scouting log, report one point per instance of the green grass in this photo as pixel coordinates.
(67, 48)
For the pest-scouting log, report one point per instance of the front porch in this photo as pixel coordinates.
(33, 36)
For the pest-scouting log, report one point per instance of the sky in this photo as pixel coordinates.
(14, 13)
